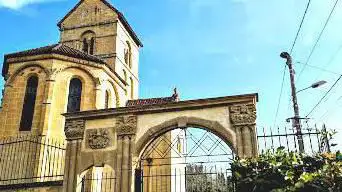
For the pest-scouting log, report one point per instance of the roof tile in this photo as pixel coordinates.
(60, 49)
(153, 101)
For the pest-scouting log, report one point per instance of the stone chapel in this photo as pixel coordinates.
(93, 66)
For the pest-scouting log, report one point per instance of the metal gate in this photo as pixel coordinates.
(185, 160)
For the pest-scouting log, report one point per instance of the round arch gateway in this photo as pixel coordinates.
(174, 147)
(190, 159)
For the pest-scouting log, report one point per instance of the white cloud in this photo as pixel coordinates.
(17, 4)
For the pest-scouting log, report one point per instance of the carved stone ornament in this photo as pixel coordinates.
(98, 138)
(54, 72)
(243, 114)
(126, 125)
(74, 129)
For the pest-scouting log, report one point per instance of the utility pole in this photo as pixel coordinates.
(296, 119)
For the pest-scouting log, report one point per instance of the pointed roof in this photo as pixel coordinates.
(120, 16)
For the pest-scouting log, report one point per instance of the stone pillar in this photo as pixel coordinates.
(74, 131)
(126, 127)
(239, 142)
(99, 101)
(44, 119)
(243, 117)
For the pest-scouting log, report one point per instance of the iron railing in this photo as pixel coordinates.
(192, 178)
(101, 181)
(315, 139)
(31, 161)
(35, 161)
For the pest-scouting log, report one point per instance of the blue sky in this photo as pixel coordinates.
(210, 48)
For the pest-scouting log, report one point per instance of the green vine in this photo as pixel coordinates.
(284, 171)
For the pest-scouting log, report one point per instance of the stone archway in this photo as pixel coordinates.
(122, 134)
(227, 135)
(190, 158)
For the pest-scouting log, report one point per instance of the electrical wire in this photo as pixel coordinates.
(300, 26)
(335, 105)
(280, 95)
(319, 102)
(321, 69)
(318, 39)
(331, 60)
(284, 71)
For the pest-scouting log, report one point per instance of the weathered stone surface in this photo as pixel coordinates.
(98, 138)
(74, 129)
(126, 125)
(243, 114)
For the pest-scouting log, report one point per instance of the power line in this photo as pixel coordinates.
(318, 68)
(318, 39)
(281, 93)
(300, 26)
(331, 60)
(319, 102)
(321, 69)
(284, 71)
(331, 108)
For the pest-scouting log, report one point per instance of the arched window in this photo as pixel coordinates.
(88, 42)
(132, 87)
(75, 93)
(107, 99)
(128, 55)
(29, 103)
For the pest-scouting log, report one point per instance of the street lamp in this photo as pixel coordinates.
(296, 119)
(314, 85)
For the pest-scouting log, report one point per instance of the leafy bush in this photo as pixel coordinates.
(286, 172)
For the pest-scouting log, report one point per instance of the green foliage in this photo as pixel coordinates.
(288, 172)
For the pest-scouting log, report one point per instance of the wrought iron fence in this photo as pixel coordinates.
(185, 160)
(315, 139)
(98, 181)
(34, 161)
(192, 178)
(31, 161)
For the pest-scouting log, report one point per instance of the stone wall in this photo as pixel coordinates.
(111, 38)
(53, 87)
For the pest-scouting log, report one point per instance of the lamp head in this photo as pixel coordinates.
(285, 55)
(317, 84)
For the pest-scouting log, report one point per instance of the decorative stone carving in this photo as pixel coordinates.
(98, 138)
(243, 114)
(53, 72)
(74, 129)
(126, 125)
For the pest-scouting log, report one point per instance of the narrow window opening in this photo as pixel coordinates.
(107, 100)
(125, 75)
(85, 45)
(75, 93)
(92, 44)
(29, 104)
(128, 54)
(132, 88)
